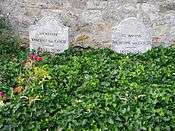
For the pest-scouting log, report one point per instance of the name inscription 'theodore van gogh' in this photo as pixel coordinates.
(131, 36)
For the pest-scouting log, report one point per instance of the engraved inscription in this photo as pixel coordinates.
(49, 35)
(131, 36)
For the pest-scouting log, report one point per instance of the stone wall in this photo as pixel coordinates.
(91, 21)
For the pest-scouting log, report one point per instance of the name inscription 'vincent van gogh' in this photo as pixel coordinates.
(49, 35)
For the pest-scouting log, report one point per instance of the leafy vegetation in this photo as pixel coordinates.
(86, 89)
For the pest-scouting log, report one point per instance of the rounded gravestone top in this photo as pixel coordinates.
(49, 35)
(131, 36)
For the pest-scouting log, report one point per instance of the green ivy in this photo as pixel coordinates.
(88, 89)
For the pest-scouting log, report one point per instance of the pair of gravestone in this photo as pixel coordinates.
(130, 36)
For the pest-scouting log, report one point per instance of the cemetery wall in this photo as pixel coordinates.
(90, 22)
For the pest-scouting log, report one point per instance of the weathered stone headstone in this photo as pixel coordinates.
(49, 35)
(94, 18)
(131, 36)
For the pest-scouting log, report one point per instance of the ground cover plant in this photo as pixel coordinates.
(86, 89)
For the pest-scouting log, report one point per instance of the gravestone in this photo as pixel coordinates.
(131, 36)
(49, 35)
